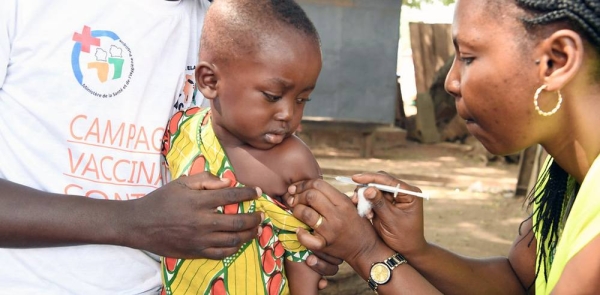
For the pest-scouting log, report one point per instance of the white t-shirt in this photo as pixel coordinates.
(86, 89)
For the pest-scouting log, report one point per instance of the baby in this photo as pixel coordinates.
(259, 63)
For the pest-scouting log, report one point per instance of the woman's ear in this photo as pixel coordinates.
(563, 54)
(206, 79)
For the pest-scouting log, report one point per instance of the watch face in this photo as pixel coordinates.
(380, 273)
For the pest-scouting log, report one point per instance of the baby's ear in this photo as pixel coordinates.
(206, 79)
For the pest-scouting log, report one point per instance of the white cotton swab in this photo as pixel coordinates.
(363, 206)
(381, 187)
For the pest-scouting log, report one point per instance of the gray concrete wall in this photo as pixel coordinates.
(360, 48)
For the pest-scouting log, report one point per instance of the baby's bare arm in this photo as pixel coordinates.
(301, 278)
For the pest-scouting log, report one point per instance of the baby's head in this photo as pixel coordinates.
(259, 62)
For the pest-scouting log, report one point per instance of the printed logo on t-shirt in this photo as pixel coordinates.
(102, 62)
(187, 96)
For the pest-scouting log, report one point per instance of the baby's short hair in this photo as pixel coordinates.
(235, 28)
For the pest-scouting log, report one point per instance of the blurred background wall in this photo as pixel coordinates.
(360, 50)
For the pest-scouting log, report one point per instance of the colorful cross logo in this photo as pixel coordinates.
(98, 57)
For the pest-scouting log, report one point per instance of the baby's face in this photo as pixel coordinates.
(261, 98)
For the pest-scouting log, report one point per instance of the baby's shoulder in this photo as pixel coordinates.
(293, 150)
(296, 160)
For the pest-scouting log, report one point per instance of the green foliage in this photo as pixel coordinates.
(417, 3)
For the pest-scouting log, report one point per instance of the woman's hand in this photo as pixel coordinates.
(341, 232)
(399, 221)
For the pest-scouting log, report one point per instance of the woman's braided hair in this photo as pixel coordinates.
(549, 196)
(582, 16)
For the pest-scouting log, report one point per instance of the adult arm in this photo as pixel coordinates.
(176, 220)
(400, 225)
(582, 273)
(345, 235)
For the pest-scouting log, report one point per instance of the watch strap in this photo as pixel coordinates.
(391, 262)
(395, 261)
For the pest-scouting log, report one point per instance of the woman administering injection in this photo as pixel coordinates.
(341, 232)
(526, 72)
(363, 205)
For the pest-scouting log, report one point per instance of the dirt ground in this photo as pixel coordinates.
(472, 209)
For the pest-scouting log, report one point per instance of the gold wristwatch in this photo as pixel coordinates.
(381, 272)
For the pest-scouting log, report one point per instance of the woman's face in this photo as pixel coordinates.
(494, 76)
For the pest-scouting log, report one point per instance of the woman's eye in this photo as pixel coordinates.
(466, 60)
(302, 100)
(271, 98)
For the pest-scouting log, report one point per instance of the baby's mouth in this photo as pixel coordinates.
(275, 138)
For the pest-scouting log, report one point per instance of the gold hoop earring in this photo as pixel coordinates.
(537, 107)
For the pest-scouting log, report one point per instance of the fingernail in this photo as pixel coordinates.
(311, 260)
(262, 217)
(370, 193)
(258, 191)
(260, 230)
(291, 201)
(292, 189)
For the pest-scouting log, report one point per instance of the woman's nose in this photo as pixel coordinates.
(452, 83)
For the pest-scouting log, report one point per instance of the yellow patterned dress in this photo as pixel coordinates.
(190, 146)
